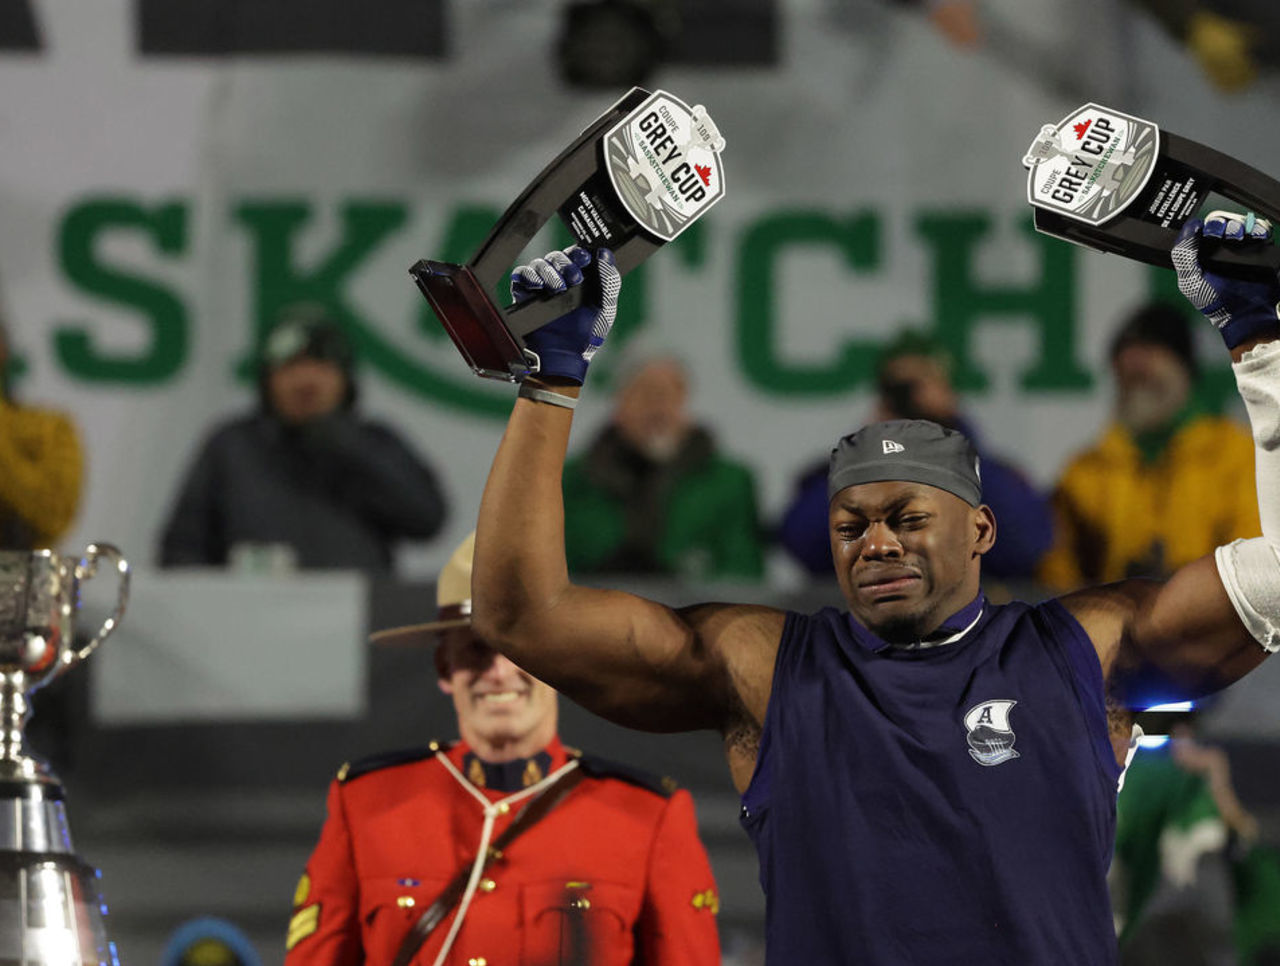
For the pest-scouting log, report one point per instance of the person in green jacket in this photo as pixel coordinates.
(653, 495)
(1191, 883)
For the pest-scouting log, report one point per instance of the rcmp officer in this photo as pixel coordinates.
(612, 873)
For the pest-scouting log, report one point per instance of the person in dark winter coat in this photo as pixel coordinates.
(303, 475)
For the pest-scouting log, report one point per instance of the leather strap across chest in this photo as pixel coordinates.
(444, 903)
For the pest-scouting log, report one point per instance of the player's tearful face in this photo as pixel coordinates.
(501, 709)
(906, 555)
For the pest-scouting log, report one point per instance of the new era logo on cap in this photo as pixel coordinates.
(906, 451)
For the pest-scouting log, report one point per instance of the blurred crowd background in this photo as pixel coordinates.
(213, 357)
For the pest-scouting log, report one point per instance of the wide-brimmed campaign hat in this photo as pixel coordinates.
(453, 601)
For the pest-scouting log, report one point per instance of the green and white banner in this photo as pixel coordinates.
(164, 190)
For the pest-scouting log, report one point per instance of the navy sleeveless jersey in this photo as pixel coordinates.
(941, 805)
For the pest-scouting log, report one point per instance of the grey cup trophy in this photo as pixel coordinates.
(51, 911)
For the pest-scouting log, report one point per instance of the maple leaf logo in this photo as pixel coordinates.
(1081, 128)
(704, 173)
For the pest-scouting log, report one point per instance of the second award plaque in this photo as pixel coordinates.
(639, 175)
(1116, 183)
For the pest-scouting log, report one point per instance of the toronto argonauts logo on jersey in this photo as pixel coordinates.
(990, 737)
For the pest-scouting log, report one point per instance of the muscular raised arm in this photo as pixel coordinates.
(1175, 640)
(632, 660)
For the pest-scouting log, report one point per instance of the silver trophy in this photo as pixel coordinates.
(51, 911)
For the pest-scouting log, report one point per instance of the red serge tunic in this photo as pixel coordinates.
(621, 850)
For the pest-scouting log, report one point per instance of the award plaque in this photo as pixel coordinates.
(1115, 183)
(637, 177)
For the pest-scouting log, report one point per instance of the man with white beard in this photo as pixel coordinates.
(1167, 481)
(653, 493)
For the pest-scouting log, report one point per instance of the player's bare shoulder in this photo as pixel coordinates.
(1106, 612)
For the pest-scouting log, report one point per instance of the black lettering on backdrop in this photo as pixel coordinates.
(727, 33)
(720, 33)
(213, 28)
(18, 28)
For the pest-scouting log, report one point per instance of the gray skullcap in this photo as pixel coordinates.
(910, 451)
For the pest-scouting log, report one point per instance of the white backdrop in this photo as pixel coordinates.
(869, 113)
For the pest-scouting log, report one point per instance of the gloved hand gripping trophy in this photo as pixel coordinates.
(1240, 309)
(565, 346)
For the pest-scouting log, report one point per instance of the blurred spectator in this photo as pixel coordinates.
(302, 481)
(1256, 875)
(1189, 879)
(1166, 483)
(653, 495)
(41, 468)
(1229, 41)
(209, 942)
(913, 381)
(956, 20)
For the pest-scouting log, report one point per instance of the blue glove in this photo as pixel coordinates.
(1240, 309)
(564, 347)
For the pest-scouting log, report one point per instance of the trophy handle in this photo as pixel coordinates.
(88, 568)
(1247, 186)
(1252, 261)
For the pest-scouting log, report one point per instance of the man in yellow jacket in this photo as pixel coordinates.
(1166, 482)
(41, 469)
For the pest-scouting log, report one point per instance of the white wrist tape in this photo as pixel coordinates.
(1250, 569)
(528, 391)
